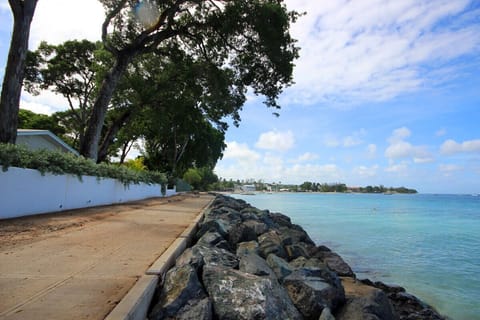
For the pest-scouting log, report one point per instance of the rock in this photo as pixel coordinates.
(238, 295)
(195, 310)
(181, 287)
(247, 247)
(280, 220)
(241, 233)
(270, 242)
(302, 262)
(365, 303)
(333, 261)
(294, 251)
(326, 315)
(258, 226)
(313, 290)
(200, 255)
(407, 306)
(281, 267)
(218, 225)
(210, 238)
(254, 264)
(294, 235)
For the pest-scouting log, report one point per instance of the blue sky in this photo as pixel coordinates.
(386, 92)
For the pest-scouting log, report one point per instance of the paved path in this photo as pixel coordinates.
(83, 270)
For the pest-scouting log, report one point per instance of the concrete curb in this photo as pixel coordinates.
(135, 304)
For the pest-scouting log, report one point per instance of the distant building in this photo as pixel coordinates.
(42, 139)
(248, 188)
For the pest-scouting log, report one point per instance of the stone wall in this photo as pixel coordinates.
(254, 264)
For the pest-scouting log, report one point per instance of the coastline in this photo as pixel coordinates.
(251, 263)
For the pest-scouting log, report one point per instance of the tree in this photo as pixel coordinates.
(70, 69)
(31, 120)
(192, 177)
(250, 38)
(23, 11)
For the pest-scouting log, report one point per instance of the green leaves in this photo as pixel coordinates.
(58, 163)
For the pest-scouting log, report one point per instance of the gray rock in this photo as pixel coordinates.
(247, 247)
(181, 287)
(213, 225)
(302, 262)
(334, 262)
(238, 295)
(294, 251)
(195, 310)
(326, 315)
(281, 267)
(254, 264)
(200, 255)
(258, 226)
(313, 290)
(374, 306)
(241, 233)
(271, 243)
(295, 234)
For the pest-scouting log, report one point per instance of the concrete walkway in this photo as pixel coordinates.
(84, 271)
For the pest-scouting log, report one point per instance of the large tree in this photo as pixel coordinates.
(71, 69)
(248, 37)
(23, 11)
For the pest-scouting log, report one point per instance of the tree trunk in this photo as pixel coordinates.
(111, 134)
(90, 144)
(15, 70)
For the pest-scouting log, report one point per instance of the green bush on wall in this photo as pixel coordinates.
(58, 163)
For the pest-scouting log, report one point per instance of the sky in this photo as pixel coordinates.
(386, 93)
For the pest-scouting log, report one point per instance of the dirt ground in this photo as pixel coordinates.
(79, 264)
(21, 231)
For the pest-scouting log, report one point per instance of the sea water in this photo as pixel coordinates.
(429, 244)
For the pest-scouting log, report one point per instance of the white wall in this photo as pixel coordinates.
(25, 192)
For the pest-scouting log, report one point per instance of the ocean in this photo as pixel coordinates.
(429, 244)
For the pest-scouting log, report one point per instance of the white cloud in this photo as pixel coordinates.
(399, 135)
(307, 156)
(47, 103)
(449, 169)
(400, 149)
(56, 21)
(366, 172)
(451, 147)
(240, 152)
(375, 50)
(399, 168)
(277, 141)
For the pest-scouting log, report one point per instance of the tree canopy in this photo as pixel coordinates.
(250, 39)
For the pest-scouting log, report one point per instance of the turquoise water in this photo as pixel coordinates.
(429, 244)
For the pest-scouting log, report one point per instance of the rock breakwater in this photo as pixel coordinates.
(248, 263)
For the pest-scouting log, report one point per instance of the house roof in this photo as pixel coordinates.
(50, 137)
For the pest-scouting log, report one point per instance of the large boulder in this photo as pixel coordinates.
(238, 295)
(281, 267)
(254, 264)
(271, 243)
(200, 255)
(180, 289)
(247, 247)
(333, 261)
(241, 232)
(313, 290)
(406, 305)
(365, 303)
(195, 310)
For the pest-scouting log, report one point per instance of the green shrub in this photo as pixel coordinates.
(58, 163)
